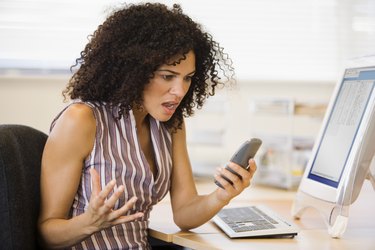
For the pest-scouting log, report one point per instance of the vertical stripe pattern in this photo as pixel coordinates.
(117, 155)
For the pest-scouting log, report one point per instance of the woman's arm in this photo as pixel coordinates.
(184, 197)
(69, 143)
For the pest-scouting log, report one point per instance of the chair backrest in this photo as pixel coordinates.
(21, 150)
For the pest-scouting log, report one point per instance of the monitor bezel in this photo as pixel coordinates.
(324, 188)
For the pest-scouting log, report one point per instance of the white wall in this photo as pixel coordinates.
(32, 101)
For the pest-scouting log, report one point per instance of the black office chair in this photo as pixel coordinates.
(21, 150)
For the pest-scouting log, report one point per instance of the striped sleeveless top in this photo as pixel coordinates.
(117, 154)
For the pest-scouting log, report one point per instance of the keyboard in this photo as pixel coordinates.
(253, 221)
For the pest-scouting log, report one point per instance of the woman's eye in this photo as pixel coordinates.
(167, 77)
(188, 78)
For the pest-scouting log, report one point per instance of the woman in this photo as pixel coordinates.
(119, 147)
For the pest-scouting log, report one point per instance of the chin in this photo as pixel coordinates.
(166, 119)
(162, 118)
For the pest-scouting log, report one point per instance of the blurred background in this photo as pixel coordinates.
(288, 55)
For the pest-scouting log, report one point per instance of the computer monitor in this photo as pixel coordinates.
(344, 149)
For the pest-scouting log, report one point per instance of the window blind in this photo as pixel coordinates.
(268, 39)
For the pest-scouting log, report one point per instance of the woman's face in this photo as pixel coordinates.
(170, 83)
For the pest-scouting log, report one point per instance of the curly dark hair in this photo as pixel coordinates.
(125, 51)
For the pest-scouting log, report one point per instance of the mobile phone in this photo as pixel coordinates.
(241, 157)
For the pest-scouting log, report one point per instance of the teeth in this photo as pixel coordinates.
(170, 105)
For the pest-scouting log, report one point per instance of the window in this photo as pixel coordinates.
(46, 35)
(268, 39)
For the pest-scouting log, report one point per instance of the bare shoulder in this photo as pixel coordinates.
(75, 128)
(79, 112)
(78, 117)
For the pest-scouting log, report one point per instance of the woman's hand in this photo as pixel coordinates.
(100, 211)
(230, 190)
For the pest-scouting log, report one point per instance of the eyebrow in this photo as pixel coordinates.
(174, 72)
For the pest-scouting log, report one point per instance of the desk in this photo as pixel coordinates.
(359, 235)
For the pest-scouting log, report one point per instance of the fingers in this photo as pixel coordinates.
(222, 181)
(235, 176)
(252, 167)
(111, 201)
(99, 197)
(127, 218)
(118, 214)
(102, 203)
(232, 184)
(229, 182)
(107, 190)
(231, 175)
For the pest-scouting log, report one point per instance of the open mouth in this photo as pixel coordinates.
(170, 105)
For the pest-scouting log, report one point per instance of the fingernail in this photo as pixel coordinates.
(133, 199)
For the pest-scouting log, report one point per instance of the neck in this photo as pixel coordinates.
(140, 116)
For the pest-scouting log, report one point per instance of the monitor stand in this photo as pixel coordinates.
(335, 215)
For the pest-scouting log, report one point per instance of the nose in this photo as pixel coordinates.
(179, 88)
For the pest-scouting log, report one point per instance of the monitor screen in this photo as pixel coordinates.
(341, 128)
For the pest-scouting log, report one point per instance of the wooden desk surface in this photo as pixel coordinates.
(359, 239)
(359, 235)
